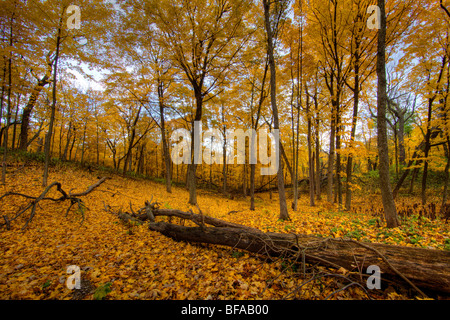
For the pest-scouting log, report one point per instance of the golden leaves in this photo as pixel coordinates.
(142, 264)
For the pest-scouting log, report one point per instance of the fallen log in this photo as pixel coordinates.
(426, 269)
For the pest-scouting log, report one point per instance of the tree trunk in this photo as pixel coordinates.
(413, 178)
(26, 114)
(166, 154)
(348, 185)
(244, 180)
(446, 172)
(13, 144)
(224, 150)
(97, 141)
(338, 194)
(317, 144)
(69, 136)
(224, 168)
(425, 172)
(284, 215)
(419, 148)
(2, 97)
(167, 163)
(395, 129)
(429, 133)
(71, 147)
(331, 158)
(196, 148)
(252, 186)
(401, 139)
(48, 137)
(83, 144)
(433, 133)
(296, 124)
(310, 154)
(390, 210)
(141, 162)
(425, 268)
(8, 113)
(128, 158)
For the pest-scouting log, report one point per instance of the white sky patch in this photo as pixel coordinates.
(86, 82)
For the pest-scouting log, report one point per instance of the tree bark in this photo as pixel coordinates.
(348, 184)
(83, 144)
(297, 88)
(429, 133)
(224, 168)
(8, 114)
(166, 154)
(338, 186)
(131, 144)
(390, 210)
(2, 97)
(425, 268)
(310, 154)
(284, 215)
(69, 136)
(195, 140)
(401, 139)
(446, 173)
(317, 152)
(413, 178)
(331, 153)
(26, 114)
(48, 136)
(13, 143)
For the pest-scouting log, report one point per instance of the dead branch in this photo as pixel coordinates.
(90, 188)
(74, 198)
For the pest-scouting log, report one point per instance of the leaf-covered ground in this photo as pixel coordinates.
(122, 262)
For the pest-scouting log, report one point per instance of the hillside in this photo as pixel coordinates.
(131, 262)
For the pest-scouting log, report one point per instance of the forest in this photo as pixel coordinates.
(224, 149)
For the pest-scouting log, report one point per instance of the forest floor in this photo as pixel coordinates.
(123, 262)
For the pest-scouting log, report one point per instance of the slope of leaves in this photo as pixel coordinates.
(123, 262)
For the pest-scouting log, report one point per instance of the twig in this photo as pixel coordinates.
(8, 225)
(327, 275)
(131, 208)
(345, 287)
(202, 217)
